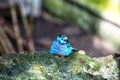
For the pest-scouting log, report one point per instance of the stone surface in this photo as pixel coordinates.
(44, 66)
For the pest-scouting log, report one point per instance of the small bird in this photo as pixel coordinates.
(61, 46)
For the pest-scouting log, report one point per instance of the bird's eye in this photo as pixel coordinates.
(65, 40)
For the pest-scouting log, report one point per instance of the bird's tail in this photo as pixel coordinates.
(74, 49)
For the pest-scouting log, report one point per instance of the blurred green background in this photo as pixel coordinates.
(91, 25)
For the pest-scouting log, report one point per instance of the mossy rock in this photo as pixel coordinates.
(44, 66)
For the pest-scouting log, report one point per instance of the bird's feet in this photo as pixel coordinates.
(58, 54)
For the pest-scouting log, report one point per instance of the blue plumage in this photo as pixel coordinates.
(61, 46)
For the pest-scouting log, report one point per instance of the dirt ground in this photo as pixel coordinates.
(45, 32)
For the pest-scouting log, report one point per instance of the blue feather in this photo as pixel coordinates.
(61, 46)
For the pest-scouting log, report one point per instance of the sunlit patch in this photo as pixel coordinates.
(108, 30)
(37, 71)
(105, 72)
(112, 12)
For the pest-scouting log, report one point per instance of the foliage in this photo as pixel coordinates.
(44, 66)
(77, 15)
(97, 5)
(70, 13)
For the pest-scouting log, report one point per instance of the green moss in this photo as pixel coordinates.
(109, 69)
(44, 66)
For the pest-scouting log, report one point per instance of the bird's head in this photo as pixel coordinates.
(62, 39)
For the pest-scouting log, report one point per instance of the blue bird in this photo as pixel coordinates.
(61, 46)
